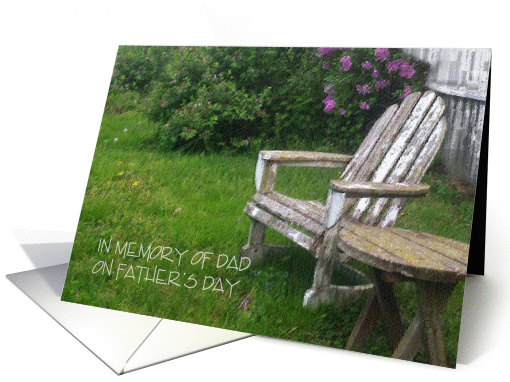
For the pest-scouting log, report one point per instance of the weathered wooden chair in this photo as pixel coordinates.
(386, 169)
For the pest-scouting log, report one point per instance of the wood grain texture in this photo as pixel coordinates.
(368, 144)
(395, 142)
(462, 77)
(311, 209)
(418, 169)
(431, 298)
(382, 141)
(411, 342)
(412, 154)
(286, 230)
(416, 255)
(373, 149)
(288, 214)
(361, 189)
(294, 157)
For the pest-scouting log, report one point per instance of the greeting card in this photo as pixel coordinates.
(320, 195)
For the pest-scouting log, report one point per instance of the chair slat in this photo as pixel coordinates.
(308, 208)
(397, 146)
(410, 155)
(268, 219)
(374, 146)
(368, 143)
(384, 141)
(421, 165)
(288, 214)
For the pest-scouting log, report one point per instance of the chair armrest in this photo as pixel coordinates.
(268, 162)
(377, 189)
(305, 158)
(339, 190)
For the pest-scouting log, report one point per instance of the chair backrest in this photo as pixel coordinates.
(398, 149)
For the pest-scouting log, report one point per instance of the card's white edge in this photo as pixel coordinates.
(115, 370)
(81, 321)
(154, 349)
(26, 236)
(437, 24)
(166, 339)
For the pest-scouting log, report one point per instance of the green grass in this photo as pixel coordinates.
(194, 203)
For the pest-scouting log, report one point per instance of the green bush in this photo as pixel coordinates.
(137, 67)
(200, 106)
(217, 98)
(244, 98)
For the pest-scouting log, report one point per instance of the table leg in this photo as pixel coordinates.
(389, 309)
(365, 324)
(431, 298)
(411, 342)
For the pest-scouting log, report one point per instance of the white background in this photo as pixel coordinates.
(56, 62)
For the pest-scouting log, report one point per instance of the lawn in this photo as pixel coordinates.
(160, 233)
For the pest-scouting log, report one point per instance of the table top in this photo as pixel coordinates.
(409, 253)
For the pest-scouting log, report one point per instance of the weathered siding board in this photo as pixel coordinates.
(461, 72)
(461, 75)
(463, 142)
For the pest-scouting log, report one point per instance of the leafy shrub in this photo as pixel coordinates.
(216, 98)
(137, 67)
(136, 70)
(200, 105)
(244, 98)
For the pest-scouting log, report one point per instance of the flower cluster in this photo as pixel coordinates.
(381, 84)
(359, 84)
(364, 106)
(406, 92)
(329, 103)
(366, 65)
(363, 89)
(404, 68)
(382, 54)
(326, 51)
(382, 73)
(346, 63)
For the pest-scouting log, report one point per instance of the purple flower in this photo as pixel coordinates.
(364, 106)
(363, 89)
(346, 63)
(325, 65)
(325, 51)
(382, 54)
(406, 70)
(395, 65)
(329, 89)
(375, 74)
(381, 84)
(329, 104)
(341, 111)
(366, 65)
(407, 91)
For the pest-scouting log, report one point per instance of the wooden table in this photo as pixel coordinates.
(434, 263)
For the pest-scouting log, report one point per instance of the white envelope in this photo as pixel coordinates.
(123, 341)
